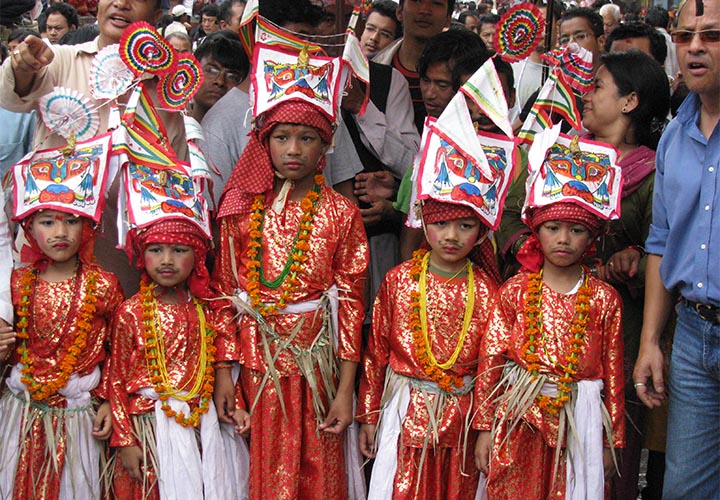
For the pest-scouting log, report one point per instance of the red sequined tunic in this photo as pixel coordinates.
(289, 458)
(53, 315)
(524, 465)
(447, 472)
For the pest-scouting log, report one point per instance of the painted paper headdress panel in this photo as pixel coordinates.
(573, 170)
(70, 180)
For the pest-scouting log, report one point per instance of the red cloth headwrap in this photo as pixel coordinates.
(483, 254)
(174, 231)
(254, 173)
(530, 254)
(32, 254)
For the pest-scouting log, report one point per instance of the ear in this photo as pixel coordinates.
(601, 44)
(399, 13)
(511, 98)
(631, 102)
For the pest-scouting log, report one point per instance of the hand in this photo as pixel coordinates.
(608, 464)
(224, 395)
(7, 341)
(353, 97)
(340, 414)
(649, 375)
(380, 210)
(622, 266)
(131, 458)
(367, 440)
(376, 185)
(242, 422)
(483, 448)
(31, 55)
(102, 425)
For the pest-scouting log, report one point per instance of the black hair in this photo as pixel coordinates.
(657, 17)
(448, 47)
(20, 34)
(66, 10)
(42, 23)
(594, 19)
(387, 8)
(225, 47)
(282, 12)
(468, 13)
(470, 62)
(226, 9)
(3, 52)
(658, 47)
(81, 35)
(211, 10)
(450, 6)
(489, 19)
(635, 71)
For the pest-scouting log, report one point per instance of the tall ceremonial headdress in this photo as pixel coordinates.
(456, 163)
(565, 169)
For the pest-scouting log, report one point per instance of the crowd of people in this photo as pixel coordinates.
(325, 330)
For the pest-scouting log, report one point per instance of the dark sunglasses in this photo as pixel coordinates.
(682, 37)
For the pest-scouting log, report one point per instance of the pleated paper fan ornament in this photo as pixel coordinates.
(68, 113)
(178, 87)
(109, 75)
(144, 51)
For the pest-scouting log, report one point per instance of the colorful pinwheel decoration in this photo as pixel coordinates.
(519, 32)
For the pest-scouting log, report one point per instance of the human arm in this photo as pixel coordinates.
(29, 57)
(483, 448)
(392, 135)
(609, 306)
(224, 395)
(340, 414)
(6, 267)
(367, 440)
(102, 424)
(649, 367)
(116, 371)
(371, 185)
(7, 341)
(132, 461)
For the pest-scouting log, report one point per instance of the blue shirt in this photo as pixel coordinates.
(16, 137)
(685, 229)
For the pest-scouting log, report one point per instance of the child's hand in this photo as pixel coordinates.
(131, 458)
(367, 440)
(483, 447)
(224, 395)
(242, 422)
(7, 341)
(608, 464)
(340, 414)
(102, 426)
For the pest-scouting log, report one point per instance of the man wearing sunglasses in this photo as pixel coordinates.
(683, 268)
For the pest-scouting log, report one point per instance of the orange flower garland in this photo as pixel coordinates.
(156, 362)
(533, 333)
(287, 279)
(83, 325)
(423, 352)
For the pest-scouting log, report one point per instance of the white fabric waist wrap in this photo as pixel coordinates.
(183, 473)
(80, 477)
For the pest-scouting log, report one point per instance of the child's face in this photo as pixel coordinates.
(169, 265)
(452, 241)
(563, 243)
(57, 234)
(296, 150)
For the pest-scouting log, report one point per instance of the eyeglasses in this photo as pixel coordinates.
(212, 73)
(578, 37)
(683, 37)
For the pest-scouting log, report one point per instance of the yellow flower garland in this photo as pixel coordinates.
(69, 361)
(157, 362)
(297, 255)
(418, 324)
(533, 332)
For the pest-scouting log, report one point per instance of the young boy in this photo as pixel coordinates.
(161, 373)
(295, 254)
(51, 418)
(427, 322)
(553, 343)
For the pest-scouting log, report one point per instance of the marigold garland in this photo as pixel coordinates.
(287, 279)
(69, 361)
(418, 324)
(157, 367)
(534, 333)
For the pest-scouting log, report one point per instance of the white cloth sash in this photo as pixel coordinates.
(182, 472)
(585, 473)
(80, 477)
